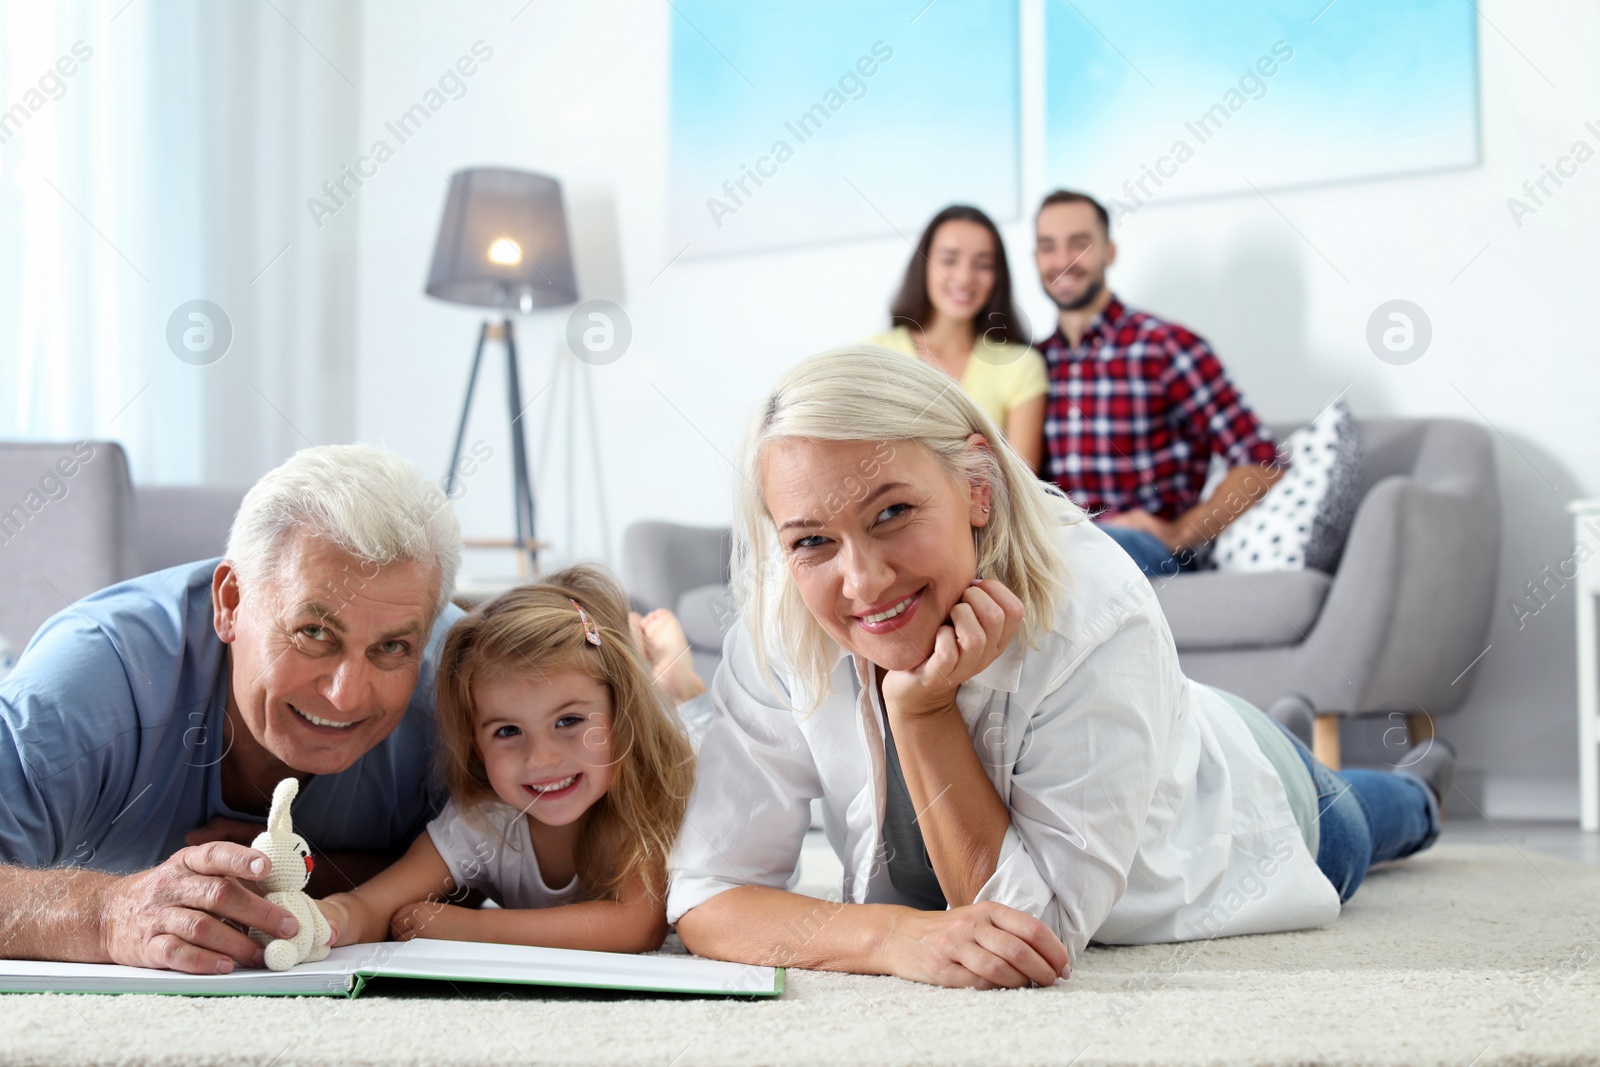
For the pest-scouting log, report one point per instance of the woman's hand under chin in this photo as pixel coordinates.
(981, 624)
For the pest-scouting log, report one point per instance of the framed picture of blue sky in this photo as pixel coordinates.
(832, 120)
(1168, 100)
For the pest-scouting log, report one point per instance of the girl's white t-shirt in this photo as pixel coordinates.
(500, 862)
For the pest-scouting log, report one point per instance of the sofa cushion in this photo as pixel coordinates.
(706, 613)
(1221, 609)
(1303, 519)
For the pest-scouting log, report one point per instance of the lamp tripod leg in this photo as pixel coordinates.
(521, 486)
(594, 454)
(466, 408)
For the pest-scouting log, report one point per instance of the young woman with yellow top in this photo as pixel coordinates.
(954, 311)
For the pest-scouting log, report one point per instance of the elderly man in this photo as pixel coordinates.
(144, 727)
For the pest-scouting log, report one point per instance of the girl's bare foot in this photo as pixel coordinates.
(665, 647)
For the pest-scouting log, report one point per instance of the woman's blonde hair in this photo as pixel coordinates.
(866, 393)
(534, 630)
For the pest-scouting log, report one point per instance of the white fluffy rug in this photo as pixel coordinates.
(1466, 955)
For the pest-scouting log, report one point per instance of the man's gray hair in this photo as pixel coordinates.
(368, 502)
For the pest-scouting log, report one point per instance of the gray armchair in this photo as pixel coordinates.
(63, 536)
(1390, 631)
(1403, 615)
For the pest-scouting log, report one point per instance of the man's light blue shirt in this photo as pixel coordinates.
(113, 729)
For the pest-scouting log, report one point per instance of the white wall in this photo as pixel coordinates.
(580, 92)
(173, 167)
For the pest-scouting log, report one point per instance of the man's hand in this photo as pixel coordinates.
(190, 913)
(1163, 531)
(981, 625)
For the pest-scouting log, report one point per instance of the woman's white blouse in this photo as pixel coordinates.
(1142, 810)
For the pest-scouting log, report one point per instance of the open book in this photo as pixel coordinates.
(347, 970)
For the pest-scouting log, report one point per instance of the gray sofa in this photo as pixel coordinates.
(1389, 632)
(64, 535)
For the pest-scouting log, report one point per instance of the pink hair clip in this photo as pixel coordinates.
(591, 632)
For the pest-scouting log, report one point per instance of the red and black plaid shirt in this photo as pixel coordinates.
(1136, 412)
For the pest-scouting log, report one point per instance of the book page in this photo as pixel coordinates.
(475, 961)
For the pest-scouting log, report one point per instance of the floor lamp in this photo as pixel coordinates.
(503, 244)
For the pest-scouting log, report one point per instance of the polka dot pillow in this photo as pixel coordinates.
(1303, 520)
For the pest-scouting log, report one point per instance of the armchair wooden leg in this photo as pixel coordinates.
(1419, 725)
(1325, 740)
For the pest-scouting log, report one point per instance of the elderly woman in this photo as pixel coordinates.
(982, 690)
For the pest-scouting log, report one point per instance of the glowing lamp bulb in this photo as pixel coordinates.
(505, 252)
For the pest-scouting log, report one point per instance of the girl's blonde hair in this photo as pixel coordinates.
(866, 393)
(534, 630)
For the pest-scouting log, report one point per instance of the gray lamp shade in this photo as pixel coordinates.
(503, 242)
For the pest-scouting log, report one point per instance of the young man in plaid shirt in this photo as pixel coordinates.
(1137, 406)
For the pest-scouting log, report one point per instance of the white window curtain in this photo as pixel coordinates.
(155, 152)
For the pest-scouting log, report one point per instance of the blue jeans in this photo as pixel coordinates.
(1366, 817)
(1153, 557)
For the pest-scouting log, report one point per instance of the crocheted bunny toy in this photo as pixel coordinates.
(285, 884)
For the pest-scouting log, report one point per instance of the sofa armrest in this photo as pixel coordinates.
(66, 528)
(1409, 607)
(662, 560)
(1354, 621)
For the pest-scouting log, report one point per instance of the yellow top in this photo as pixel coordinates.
(999, 376)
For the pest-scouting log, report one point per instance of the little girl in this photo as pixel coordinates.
(568, 774)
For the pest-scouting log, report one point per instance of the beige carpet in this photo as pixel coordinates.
(1467, 955)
